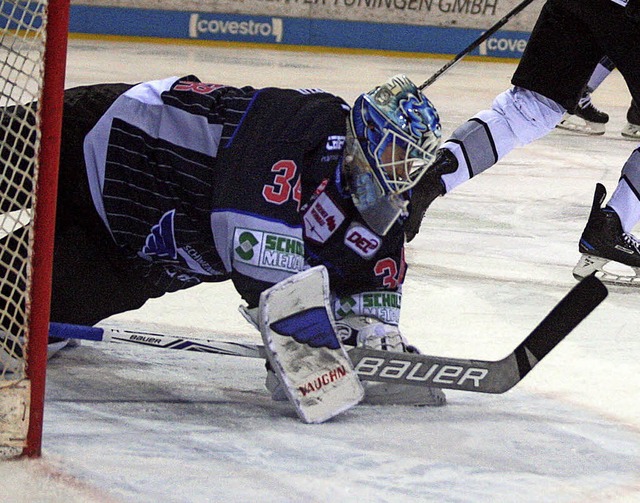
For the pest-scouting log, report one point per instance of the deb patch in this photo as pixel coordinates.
(322, 219)
(362, 241)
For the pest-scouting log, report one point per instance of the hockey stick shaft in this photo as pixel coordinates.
(400, 368)
(473, 45)
(566, 316)
(485, 376)
(154, 339)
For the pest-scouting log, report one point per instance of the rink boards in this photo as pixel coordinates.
(273, 31)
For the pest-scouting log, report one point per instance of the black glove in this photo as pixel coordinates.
(427, 190)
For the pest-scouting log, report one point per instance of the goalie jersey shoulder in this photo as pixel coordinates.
(253, 172)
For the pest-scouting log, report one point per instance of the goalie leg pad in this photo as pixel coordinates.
(298, 331)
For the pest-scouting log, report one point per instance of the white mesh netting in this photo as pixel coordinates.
(22, 42)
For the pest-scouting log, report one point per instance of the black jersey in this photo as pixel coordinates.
(203, 182)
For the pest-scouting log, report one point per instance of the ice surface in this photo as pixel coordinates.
(132, 424)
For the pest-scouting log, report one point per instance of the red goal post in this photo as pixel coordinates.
(33, 47)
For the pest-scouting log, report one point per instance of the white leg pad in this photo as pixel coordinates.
(298, 331)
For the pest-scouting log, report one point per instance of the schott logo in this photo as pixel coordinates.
(201, 26)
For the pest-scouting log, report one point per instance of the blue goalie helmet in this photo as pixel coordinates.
(392, 139)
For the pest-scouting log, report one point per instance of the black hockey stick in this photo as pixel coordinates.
(485, 376)
(400, 368)
(516, 10)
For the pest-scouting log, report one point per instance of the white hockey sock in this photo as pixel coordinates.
(626, 204)
(460, 175)
(600, 73)
(517, 117)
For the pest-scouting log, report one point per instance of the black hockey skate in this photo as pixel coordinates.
(428, 189)
(632, 129)
(603, 242)
(586, 119)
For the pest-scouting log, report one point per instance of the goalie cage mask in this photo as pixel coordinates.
(393, 135)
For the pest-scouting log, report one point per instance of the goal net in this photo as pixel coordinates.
(33, 41)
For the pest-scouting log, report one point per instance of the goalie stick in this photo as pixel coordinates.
(400, 368)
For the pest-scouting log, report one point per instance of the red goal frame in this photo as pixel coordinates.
(51, 102)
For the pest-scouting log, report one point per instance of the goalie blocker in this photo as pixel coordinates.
(300, 340)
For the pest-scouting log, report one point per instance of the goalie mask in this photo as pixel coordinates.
(393, 134)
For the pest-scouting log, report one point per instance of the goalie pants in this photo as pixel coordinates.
(92, 279)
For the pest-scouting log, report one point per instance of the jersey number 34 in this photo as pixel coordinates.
(284, 186)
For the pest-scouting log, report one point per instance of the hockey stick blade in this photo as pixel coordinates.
(479, 375)
(566, 316)
(400, 368)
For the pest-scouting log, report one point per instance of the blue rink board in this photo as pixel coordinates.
(187, 25)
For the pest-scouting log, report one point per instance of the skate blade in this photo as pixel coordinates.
(578, 125)
(631, 131)
(607, 271)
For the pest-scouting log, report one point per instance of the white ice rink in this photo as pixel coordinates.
(126, 424)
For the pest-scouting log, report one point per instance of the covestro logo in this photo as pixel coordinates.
(504, 46)
(203, 26)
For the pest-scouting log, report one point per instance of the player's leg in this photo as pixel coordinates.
(588, 119)
(607, 236)
(16, 149)
(605, 239)
(92, 278)
(13, 264)
(559, 58)
(16, 166)
(632, 128)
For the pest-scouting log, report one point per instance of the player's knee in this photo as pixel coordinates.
(529, 114)
(631, 169)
